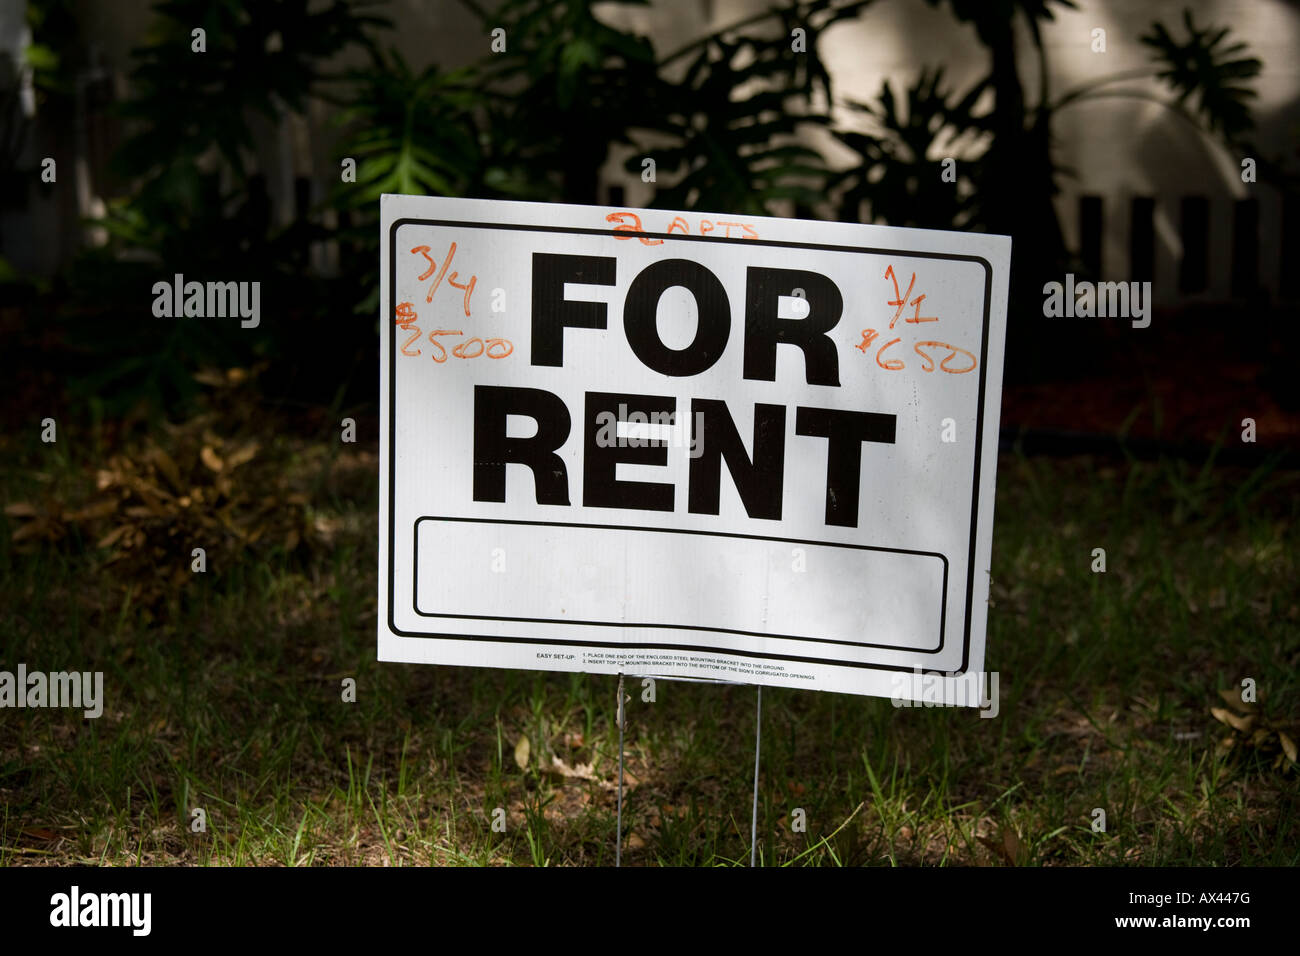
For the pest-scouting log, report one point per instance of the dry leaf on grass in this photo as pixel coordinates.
(1006, 848)
(211, 459)
(92, 512)
(149, 500)
(242, 455)
(1288, 746)
(1232, 720)
(579, 771)
(167, 467)
(210, 376)
(1258, 733)
(1233, 699)
(113, 536)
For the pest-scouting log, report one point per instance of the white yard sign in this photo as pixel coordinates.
(684, 444)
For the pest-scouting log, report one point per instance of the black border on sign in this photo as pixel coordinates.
(618, 645)
(415, 575)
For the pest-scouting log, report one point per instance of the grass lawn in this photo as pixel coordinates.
(223, 689)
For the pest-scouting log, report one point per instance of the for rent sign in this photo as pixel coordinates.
(671, 443)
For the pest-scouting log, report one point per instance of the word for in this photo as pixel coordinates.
(57, 689)
(1087, 300)
(75, 908)
(767, 297)
(629, 224)
(935, 690)
(213, 300)
(893, 364)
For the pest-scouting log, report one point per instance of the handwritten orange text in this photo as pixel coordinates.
(467, 288)
(629, 225)
(493, 348)
(899, 302)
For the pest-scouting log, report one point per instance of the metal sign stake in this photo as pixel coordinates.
(758, 744)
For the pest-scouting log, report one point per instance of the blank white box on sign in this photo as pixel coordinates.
(614, 576)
